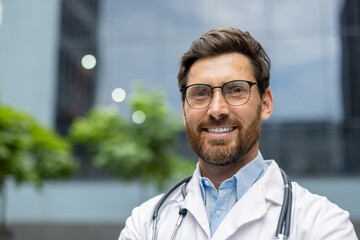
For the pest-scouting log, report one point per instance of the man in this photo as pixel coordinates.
(233, 193)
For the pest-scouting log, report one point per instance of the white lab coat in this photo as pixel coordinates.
(253, 217)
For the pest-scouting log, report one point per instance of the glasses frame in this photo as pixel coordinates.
(184, 89)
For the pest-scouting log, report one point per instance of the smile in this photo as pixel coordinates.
(220, 130)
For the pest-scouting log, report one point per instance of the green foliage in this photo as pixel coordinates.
(29, 152)
(134, 151)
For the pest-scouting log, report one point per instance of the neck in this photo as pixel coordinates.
(218, 174)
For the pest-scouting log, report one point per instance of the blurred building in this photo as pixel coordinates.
(77, 69)
(305, 149)
(350, 36)
(77, 39)
(326, 147)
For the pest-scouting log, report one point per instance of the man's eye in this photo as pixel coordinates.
(200, 94)
(236, 90)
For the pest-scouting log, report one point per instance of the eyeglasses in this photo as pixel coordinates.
(236, 93)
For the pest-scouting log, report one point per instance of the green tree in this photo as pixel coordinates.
(29, 152)
(129, 150)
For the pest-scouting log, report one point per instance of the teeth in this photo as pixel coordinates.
(220, 130)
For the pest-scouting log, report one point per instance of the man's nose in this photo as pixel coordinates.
(218, 106)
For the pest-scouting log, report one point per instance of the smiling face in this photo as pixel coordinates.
(222, 134)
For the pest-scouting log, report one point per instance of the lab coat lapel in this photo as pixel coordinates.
(273, 184)
(194, 203)
(252, 206)
(247, 209)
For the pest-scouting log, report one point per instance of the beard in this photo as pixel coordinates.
(223, 152)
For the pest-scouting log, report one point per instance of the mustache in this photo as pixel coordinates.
(218, 122)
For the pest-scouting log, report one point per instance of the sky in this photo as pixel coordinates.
(144, 40)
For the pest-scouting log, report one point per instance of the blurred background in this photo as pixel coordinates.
(61, 59)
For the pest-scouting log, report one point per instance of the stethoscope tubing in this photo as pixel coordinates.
(283, 227)
(162, 200)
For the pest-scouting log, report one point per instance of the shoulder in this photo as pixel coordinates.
(145, 210)
(313, 205)
(140, 224)
(137, 225)
(313, 216)
(316, 217)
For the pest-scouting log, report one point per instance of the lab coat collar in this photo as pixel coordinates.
(273, 183)
(250, 207)
(195, 205)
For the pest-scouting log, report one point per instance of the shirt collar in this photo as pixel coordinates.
(249, 174)
(244, 178)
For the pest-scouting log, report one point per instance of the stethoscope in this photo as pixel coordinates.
(283, 226)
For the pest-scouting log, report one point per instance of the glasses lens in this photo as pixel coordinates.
(198, 96)
(237, 92)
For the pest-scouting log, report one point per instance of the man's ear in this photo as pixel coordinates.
(183, 112)
(267, 104)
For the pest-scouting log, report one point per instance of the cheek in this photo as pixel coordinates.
(193, 117)
(245, 114)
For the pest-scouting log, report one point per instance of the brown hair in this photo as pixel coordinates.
(227, 40)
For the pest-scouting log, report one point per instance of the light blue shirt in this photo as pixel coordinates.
(230, 191)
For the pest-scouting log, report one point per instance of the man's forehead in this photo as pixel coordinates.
(220, 69)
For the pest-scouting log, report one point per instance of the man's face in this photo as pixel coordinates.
(222, 134)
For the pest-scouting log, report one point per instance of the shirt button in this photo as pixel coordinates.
(218, 213)
(207, 183)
